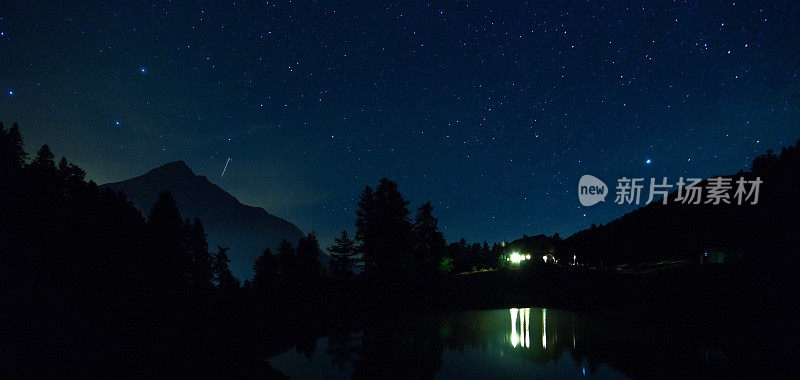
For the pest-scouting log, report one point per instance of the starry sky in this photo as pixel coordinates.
(491, 111)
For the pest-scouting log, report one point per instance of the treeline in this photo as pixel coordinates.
(295, 267)
(388, 245)
(762, 234)
(464, 257)
(60, 231)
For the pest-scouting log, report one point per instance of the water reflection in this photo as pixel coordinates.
(481, 343)
(515, 337)
(520, 334)
(544, 328)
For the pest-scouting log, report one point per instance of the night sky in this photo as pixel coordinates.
(492, 113)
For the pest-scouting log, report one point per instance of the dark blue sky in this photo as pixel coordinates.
(491, 112)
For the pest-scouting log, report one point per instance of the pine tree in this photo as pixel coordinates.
(343, 257)
(12, 151)
(63, 165)
(17, 146)
(495, 256)
(202, 267)
(309, 268)
(13, 189)
(171, 259)
(287, 259)
(486, 256)
(44, 160)
(365, 226)
(474, 257)
(459, 253)
(384, 231)
(429, 242)
(222, 273)
(69, 172)
(266, 270)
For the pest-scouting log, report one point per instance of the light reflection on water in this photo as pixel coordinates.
(520, 330)
(496, 343)
(520, 334)
(487, 343)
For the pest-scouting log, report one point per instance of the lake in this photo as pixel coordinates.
(515, 342)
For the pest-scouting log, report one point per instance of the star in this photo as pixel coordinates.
(390, 120)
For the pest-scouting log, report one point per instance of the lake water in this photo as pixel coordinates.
(508, 343)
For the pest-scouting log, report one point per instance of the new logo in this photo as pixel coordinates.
(591, 190)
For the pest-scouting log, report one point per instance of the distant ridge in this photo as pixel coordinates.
(247, 230)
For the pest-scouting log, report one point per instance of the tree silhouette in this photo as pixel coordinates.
(266, 270)
(309, 269)
(13, 201)
(71, 175)
(343, 257)
(44, 159)
(459, 253)
(494, 260)
(171, 260)
(429, 242)
(67, 233)
(222, 273)
(765, 162)
(201, 273)
(678, 230)
(287, 258)
(384, 230)
(12, 150)
(486, 261)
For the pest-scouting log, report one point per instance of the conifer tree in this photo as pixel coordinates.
(429, 242)
(287, 259)
(308, 267)
(266, 270)
(170, 258)
(222, 273)
(343, 257)
(384, 231)
(202, 267)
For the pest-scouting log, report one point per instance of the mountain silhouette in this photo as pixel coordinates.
(247, 230)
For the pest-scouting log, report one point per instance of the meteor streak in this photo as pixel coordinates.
(225, 168)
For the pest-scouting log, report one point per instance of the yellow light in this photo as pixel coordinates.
(516, 257)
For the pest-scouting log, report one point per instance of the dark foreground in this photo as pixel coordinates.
(692, 321)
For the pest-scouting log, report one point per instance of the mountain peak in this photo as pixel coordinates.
(246, 230)
(176, 168)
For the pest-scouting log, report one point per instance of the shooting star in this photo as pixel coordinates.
(225, 168)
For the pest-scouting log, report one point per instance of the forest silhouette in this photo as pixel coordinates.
(83, 270)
